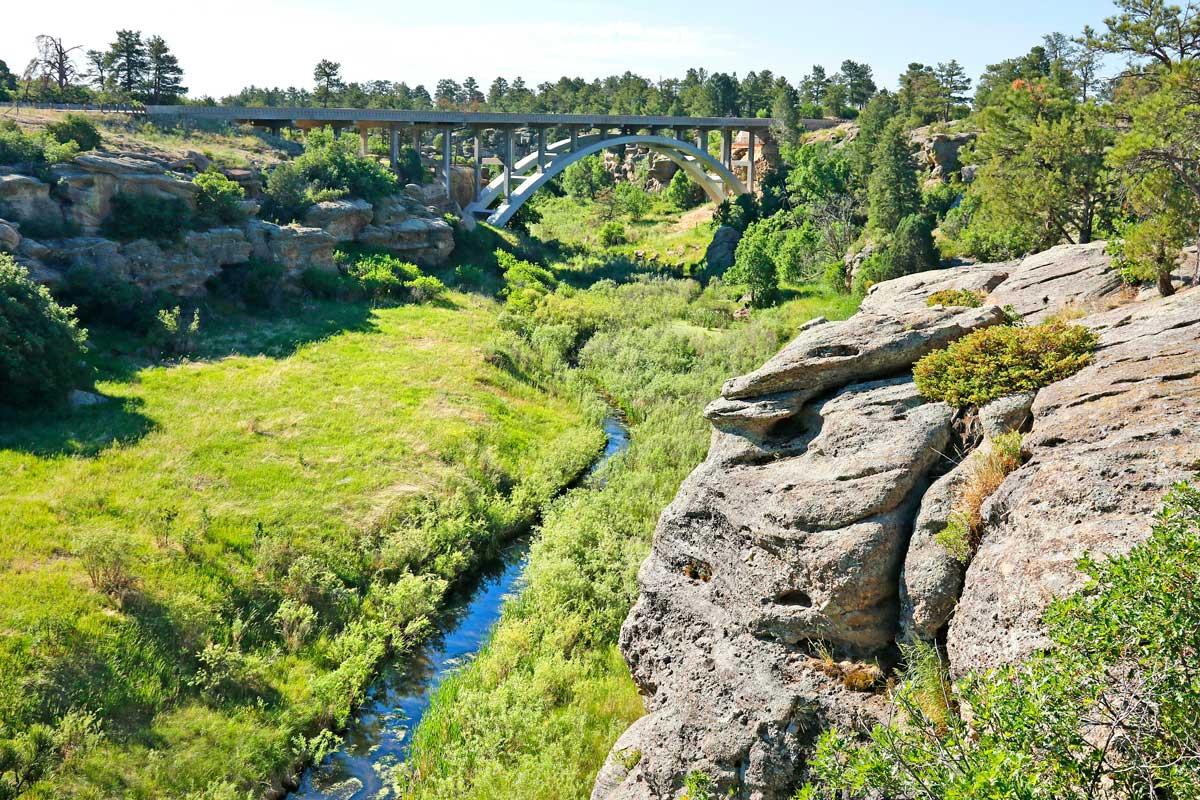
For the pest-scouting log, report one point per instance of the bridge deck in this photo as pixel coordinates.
(489, 119)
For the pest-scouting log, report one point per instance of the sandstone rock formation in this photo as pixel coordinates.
(79, 198)
(719, 255)
(811, 526)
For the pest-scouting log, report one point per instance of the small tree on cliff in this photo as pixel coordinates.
(327, 76)
(892, 192)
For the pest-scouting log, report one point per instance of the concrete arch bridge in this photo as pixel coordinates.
(531, 149)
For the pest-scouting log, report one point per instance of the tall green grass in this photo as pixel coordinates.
(349, 461)
(535, 714)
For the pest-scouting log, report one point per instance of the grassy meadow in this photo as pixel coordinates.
(208, 568)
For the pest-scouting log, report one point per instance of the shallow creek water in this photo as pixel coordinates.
(378, 739)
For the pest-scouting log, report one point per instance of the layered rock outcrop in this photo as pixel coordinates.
(811, 526)
(78, 198)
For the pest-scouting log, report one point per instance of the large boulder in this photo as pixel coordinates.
(401, 224)
(341, 219)
(827, 475)
(719, 255)
(1106, 445)
(293, 247)
(26, 198)
(10, 237)
(751, 566)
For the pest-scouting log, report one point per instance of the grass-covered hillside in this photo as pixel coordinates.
(201, 573)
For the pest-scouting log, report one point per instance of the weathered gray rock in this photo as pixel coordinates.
(865, 346)
(293, 247)
(1105, 446)
(78, 398)
(932, 578)
(753, 562)
(1005, 414)
(1068, 275)
(341, 219)
(87, 252)
(427, 241)
(719, 255)
(24, 198)
(10, 237)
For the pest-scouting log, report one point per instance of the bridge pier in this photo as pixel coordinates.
(448, 159)
(508, 162)
(541, 149)
(727, 148)
(750, 162)
(394, 146)
(478, 156)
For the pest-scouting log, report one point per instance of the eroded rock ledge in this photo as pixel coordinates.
(810, 526)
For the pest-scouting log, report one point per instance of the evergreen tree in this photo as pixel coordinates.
(859, 83)
(892, 191)
(165, 84)
(446, 94)
(8, 82)
(953, 84)
(128, 63)
(471, 94)
(920, 96)
(1153, 30)
(327, 77)
(814, 86)
(99, 69)
(786, 113)
(421, 100)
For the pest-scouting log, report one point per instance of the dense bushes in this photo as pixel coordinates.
(136, 216)
(41, 347)
(380, 277)
(219, 199)
(683, 192)
(330, 168)
(1108, 712)
(75, 128)
(1003, 359)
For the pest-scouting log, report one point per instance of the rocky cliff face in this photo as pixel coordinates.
(78, 196)
(804, 544)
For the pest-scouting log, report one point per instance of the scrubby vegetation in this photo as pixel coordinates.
(537, 711)
(987, 469)
(329, 169)
(1003, 359)
(1108, 712)
(41, 346)
(956, 298)
(202, 569)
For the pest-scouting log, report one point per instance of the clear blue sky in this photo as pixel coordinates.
(225, 44)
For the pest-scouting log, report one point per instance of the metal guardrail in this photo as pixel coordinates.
(103, 108)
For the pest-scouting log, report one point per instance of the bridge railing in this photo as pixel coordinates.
(103, 108)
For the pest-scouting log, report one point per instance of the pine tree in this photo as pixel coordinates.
(165, 75)
(129, 63)
(814, 86)
(99, 72)
(892, 192)
(446, 93)
(953, 84)
(327, 76)
(860, 86)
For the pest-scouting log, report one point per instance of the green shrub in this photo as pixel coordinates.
(173, 333)
(683, 192)
(956, 298)
(326, 285)
(383, 276)
(43, 227)
(1003, 359)
(41, 346)
(17, 147)
(737, 213)
(262, 285)
(102, 297)
(425, 288)
(137, 216)
(75, 128)
(612, 233)
(1111, 704)
(219, 198)
(631, 200)
(285, 196)
(937, 200)
(468, 275)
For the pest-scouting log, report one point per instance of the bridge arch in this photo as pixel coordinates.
(715, 178)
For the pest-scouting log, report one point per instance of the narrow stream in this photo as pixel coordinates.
(378, 739)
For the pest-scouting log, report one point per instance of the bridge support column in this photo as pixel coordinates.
(702, 140)
(727, 148)
(508, 162)
(574, 137)
(541, 149)
(363, 136)
(750, 162)
(448, 159)
(478, 155)
(416, 139)
(394, 146)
